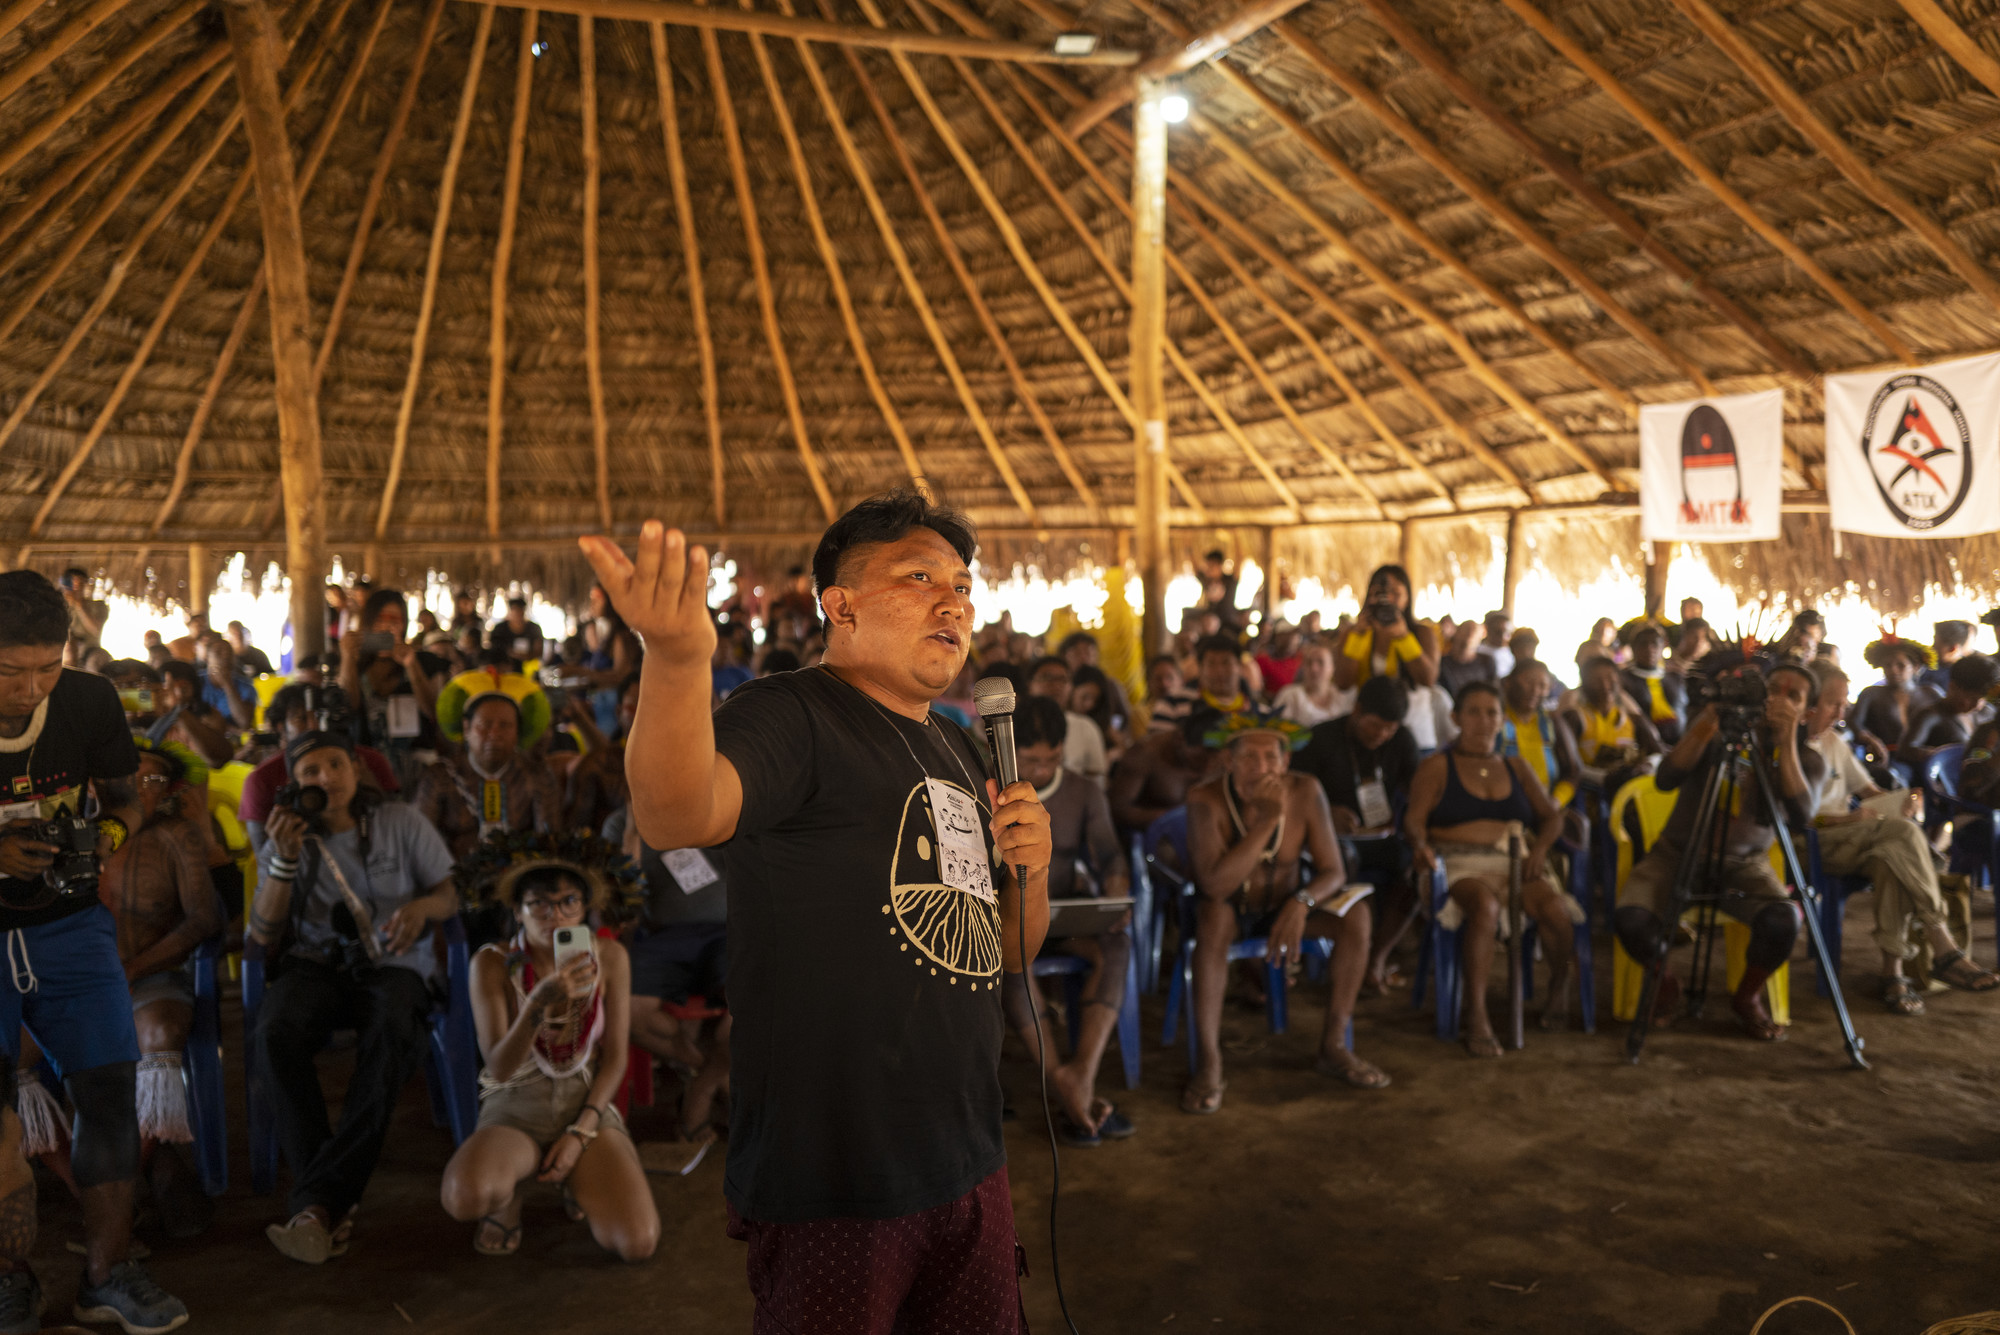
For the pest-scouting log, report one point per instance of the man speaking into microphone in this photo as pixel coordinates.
(873, 905)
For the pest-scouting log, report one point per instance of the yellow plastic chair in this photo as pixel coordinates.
(225, 798)
(1627, 978)
(267, 685)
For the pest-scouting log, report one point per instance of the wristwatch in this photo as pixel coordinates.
(1305, 897)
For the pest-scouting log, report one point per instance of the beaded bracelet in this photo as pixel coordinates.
(574, 1130)
(284, 869)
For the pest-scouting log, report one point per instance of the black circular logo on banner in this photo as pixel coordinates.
(1711, 477)
(1919, 451)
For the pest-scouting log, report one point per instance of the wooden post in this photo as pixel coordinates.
(1517, 558)
(1406, 556)
(201, 577)
(1149, 338)
(259, 49)
(503, 259)
(1656, 578)
(1267, 557)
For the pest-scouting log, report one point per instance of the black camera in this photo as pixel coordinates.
(1738, 695)
(75, 870)
(1384, 613)
(307, 799)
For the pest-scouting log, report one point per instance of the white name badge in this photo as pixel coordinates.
(962, 863)
(691, 870)
(404, 718)
(1374, 799)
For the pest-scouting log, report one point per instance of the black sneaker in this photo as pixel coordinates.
(129, 1296)
(20, 1302)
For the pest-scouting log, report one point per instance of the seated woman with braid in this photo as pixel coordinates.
(1462, 802)
(555, 1040)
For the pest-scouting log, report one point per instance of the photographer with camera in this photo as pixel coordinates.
(1385, 641)
(348, 891)
(1743, 709)
(62, 734)
(392, 684)
(299, 708)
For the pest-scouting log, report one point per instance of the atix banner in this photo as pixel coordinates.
(1915, 453)
(1710, 470)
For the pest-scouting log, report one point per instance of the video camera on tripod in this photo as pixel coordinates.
(1739, 695)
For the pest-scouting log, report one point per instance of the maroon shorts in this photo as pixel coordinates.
(953, 1269)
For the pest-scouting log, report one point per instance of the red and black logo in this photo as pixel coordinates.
(1919, 451)
(1711, 478)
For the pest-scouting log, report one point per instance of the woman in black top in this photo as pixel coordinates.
(1463, 803)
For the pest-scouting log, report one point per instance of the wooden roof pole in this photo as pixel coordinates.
(1911, 213)
(1182, 367)
(1957, 42)
(1196, 49)
(1147, 293)
(1573, 51)
(372, 198)
(503, 258)
(259, 50)
(1023, 391)
(1565, 169)
(711, 407)
(593, 335)
(837, 279)
(12, 16)
(38, 58)
(32, 138)
(246, 310)
(753, 240)
(427, 304)
(815, 30)
(858, 170)
(1474, 362)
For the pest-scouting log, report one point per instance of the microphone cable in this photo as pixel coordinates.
(1048, 1116)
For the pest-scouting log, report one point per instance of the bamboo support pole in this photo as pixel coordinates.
(1148, 295)
(593, 309)
(1658, 559)
(427, 303)
(711, 407)
(1973, 58)
(503, 257)
(201, 577)
(38, 58)
(753, 240)
(1195, 49)
(1516, 561)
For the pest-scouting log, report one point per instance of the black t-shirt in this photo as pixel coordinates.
(78, 734)
(1342, 765)
(865, 1048)
(519, 645)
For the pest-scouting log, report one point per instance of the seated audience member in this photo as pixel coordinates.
(1168, 698)
(1692, 643)
(1080, 650)
(1364, 762)
(1084, 751)
(344, 909)
(253, 660)
(1279, 663)
(1659, 692)
(516, 636)
(1882, 712)
(596, 786)
(1603, 643)
(1154, 775)
(1529, 730)
(1385, 641)
(183, 646)
(1800, 643)
(185, 715)
(1097, 698)
(465, 613)
(1219, 682)
(1312, 698)
(1499, 630)
(1462, 802)
(1248, 830)
(225, 686)
(1889, 848)
(1955, 716)
(494, 782)
(1463, 663)
(1752, 892)
(554, 1036)
(87, 615)
(392, 684)
(1087, 863)
(1950, 641)
(296, 709)
(1613, 736)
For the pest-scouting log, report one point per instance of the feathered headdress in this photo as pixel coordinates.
(183, 765)
(491, 871)
(1243, 722)
(1877, 654)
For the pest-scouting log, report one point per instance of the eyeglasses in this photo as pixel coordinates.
(548, 908)
(160, 779)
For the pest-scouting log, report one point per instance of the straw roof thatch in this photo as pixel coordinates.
(1387, 302)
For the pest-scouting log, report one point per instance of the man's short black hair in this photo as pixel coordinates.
(1158, 659)
(1951, 634)
(32, 611)
(132, 667)
(181, 670)
(517, 601)
(1800, 669)
(1074, 638)
(887, 517)
(1975, 674)
(1384, 697)
(291, 698)
(1472, 688)
(1039, 719)
(1214, 554)
(1215, 644)
(1048, 660)
(1016, 678)
(380, 599)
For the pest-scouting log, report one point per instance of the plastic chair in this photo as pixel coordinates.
(1169, 829)
(1438, 959)
(1982, 824)
(1180, 989)
(267, 685)
(1638, 815)
(451, 1065)
(1072, 971)
(201, 1068)
(1833, 893)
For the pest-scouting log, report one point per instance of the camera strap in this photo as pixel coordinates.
(364, 917)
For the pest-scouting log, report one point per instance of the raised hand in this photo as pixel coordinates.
(662, 594)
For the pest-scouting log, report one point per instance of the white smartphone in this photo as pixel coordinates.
(573, 941)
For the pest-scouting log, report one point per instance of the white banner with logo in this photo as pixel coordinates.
(1711, 470)
(1915, 453)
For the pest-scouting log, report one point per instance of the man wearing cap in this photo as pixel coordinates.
(491, 783)
(1247, 831)
(345, 902)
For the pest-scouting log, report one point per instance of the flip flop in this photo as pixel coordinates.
(1984, 980)
(510, 1238)
(1899, 996)
(1483, 1046)
(1355, 1072)
(1203, 1103)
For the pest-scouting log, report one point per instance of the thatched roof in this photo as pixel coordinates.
(1385, 303)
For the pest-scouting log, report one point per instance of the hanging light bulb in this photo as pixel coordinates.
(1174, 108)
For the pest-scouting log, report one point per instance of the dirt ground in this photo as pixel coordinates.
(1556, 1190)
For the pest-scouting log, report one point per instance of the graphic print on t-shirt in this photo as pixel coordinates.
(951, 931)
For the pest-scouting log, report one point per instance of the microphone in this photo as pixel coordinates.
(993, 697)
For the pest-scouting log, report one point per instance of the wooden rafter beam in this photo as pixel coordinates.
(711, 407)
(858, 170)
(1684, 153)
(503, 258)
(753, 241)
(1565, 169)
(434, 262)
(1195, 49)
(38, 58)
(593, 333)
(1973, 58)
(1836, 150)
(815, 30)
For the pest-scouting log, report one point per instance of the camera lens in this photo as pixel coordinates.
(311, 800)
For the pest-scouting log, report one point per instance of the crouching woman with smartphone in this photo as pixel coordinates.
(552, 1008)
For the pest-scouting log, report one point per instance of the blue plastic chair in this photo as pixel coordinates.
(451, 1066)
(1438, 953)
(201, 1067)
(1980, 854)
(1833, 892)
(1161, 894)
(1072, 971)
(1180, 989)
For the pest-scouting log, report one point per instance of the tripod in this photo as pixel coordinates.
(1698, 885)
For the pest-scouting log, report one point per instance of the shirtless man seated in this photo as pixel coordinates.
(1153, 777)
(1247, 830)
